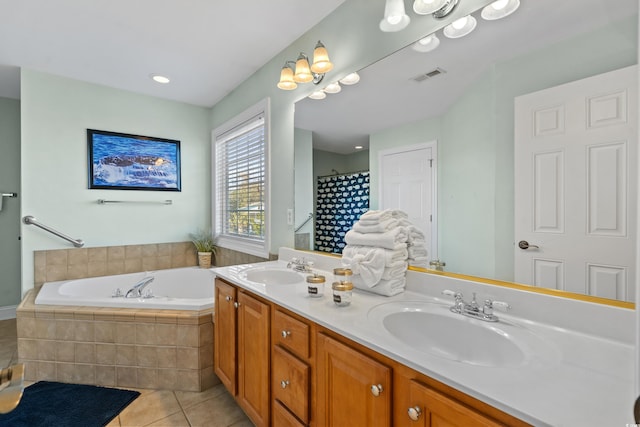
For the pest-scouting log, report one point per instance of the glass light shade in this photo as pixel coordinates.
(427, 7)
(350, 79)
(286, 79)
(499, 9)
(395, 18)
(460, 27)
(318, 94)
(333, 88)
(426, 44)
(321, 63)
(303, 72)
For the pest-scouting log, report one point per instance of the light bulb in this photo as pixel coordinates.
(500, 4)
(460, 23)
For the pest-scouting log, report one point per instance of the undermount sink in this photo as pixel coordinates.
(273, 276)
(432, 328)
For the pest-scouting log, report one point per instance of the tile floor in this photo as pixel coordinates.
(158, 408)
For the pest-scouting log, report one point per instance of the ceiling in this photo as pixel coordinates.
(206, 47)
(387, 96)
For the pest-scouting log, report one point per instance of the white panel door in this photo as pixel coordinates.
(407, 182)
(575, 185)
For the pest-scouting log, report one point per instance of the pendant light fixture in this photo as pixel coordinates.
(395, 18)
(460, 27)
(426, 44)
(301, 71)
(427, 7)
(499, 9)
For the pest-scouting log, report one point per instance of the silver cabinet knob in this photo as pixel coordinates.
(236, 304)
(376, 390)
(284, 383)
(414, 413)
(285, 334)
(228, 298)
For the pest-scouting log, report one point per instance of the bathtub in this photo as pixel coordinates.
(188, 288)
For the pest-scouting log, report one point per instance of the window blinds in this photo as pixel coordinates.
(240, 180)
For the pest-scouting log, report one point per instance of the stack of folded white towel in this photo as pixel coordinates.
(379, 248)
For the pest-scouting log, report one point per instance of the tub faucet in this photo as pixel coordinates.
(136, 290)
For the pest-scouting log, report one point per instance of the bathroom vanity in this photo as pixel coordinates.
(293, 360)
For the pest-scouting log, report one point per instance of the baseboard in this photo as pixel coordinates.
(8, 312)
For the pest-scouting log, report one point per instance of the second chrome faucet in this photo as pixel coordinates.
(472, 309)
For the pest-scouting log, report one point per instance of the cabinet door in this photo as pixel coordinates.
(353, 389)
(224, 349)
(429, 408)
(253, 358)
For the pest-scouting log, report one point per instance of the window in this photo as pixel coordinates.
(240, 202)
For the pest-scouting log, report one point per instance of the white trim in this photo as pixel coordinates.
(249, 246)
(434, 184)
(8, 312)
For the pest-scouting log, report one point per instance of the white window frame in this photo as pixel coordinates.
(250, 246)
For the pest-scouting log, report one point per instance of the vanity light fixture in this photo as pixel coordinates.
(350, 79)
(426, 44)
(460, 27)
(427, 7)
(159, 78)
(304, 71)
(318, 94)
(499, 9)
(333, 88)
(395, 18)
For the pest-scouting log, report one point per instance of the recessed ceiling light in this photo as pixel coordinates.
(159, 78)
(358, 147)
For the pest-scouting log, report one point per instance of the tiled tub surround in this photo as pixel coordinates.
(151, 349)
(160, 349)
(65, 264)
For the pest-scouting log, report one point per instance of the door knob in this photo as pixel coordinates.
(523, 244)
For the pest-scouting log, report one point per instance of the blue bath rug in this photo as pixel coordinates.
(53, 404)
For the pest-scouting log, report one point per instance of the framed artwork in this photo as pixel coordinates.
(120, 161)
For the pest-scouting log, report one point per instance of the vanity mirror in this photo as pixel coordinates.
(461, 96)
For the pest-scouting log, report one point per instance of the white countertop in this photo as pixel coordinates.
(582, 376)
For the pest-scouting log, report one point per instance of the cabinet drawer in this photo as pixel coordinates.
(290, 383)
(283, 418)
(291, 333)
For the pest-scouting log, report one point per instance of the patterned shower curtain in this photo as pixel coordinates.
(340, 202)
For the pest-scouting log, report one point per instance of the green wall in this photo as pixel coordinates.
(10, 215)
(55, 114)
(475, 145)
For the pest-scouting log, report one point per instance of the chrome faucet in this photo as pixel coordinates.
(300, 264)
(136, 290)
(472, 309)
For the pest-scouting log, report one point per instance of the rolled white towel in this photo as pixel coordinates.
(417, 251)
(395, 271)
(390, 256)
(387, 240)
(379, 227)
(384, 287)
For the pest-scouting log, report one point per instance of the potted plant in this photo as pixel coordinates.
(205, 244)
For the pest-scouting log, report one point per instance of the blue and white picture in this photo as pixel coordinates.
(119, 161)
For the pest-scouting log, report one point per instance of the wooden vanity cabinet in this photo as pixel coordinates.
(353, 388)
(242, 349)
(285, 370)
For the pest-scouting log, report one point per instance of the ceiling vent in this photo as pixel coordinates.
(428, 75)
